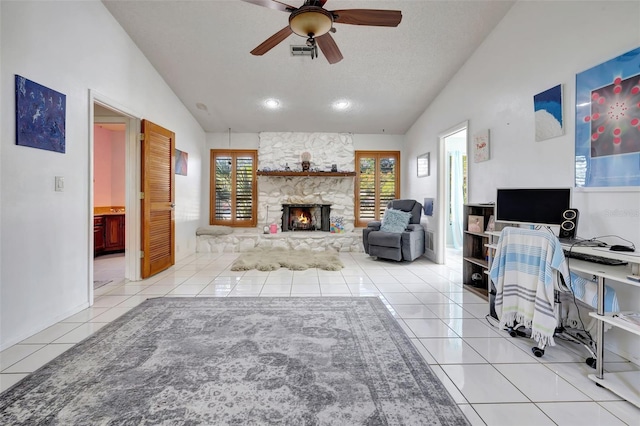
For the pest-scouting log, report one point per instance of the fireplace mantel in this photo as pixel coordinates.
(309, 174)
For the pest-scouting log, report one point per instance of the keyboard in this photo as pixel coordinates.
(581, 243)
(593, 258)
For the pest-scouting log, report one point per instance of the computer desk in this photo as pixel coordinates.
(625, 384)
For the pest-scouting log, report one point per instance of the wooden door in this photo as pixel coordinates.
(158, 199)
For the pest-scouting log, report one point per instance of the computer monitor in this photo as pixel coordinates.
(532, 206)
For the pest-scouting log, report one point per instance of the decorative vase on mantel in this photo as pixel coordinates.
(305, 161)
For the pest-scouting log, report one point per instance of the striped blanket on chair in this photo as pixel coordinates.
(524, 271)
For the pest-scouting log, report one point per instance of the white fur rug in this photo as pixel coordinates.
(270, 259)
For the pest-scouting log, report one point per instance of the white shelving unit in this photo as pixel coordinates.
(625, 384)
(615, 320)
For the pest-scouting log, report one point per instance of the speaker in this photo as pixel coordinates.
(569, 226)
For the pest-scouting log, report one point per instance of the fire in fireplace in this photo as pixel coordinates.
(306, 217)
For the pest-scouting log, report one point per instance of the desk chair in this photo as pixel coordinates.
(529, 271)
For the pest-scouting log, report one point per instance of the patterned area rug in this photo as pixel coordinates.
(233, 361)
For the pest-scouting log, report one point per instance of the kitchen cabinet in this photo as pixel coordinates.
(108, 233)
(98, 235)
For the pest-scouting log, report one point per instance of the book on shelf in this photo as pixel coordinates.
(475, 224)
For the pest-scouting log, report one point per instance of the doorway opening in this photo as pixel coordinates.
(109, 197)
(453, 190)
(113, 187)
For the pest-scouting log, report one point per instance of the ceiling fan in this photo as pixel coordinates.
(315, 23)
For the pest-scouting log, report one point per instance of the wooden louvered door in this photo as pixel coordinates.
(158, 227)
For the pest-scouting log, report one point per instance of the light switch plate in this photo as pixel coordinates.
(59, 183)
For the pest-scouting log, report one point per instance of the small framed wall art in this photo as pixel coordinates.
(424, 168)
(547, 107)
(427, 206)
(182, 161)
(40, 116)
(481, 146)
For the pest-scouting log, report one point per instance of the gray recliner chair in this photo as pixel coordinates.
(407, 245)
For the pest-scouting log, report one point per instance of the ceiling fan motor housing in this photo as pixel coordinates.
(314, 23)
(311, 21)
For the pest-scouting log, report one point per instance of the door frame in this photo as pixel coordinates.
(443, 192)
(132, 186)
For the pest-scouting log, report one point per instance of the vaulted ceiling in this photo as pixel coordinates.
(388, 75)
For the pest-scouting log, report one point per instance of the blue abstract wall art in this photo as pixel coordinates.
(548, 111)
(40, 116)
(607, 152)
(427, 206)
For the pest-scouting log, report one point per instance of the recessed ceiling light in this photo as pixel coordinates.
(272, 103)
(201, 106)
(341, 104)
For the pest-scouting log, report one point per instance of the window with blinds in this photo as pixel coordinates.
(233, 187)
(377, 183)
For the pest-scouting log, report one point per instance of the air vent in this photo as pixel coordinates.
(301, 50)
(429, 240)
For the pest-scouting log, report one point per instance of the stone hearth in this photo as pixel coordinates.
(243, 239)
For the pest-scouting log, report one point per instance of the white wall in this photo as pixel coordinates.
(108, 167)
(536, 46)
(72, 47)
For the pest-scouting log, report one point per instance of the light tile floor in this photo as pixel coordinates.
(494, 378)
(109, 267)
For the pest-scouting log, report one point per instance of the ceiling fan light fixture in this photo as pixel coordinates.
(272, 103)
(311, 21)
(341, 105)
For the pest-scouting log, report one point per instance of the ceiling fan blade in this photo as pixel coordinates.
(373, 17)
(329, 48)
(272, 41)
(272, 4)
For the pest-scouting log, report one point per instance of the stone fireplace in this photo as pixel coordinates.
(306, 217)
(321, 198)
(282, 152)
